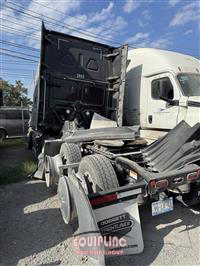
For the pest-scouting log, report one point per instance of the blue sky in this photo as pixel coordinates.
(167, 24)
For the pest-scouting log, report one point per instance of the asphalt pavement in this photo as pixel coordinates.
(32, 232)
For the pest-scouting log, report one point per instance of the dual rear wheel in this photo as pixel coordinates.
(97, 170)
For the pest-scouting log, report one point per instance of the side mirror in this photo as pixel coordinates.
(183, 102)
(166, 99)
(171, 102)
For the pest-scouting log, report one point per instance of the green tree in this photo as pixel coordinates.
(14, 95)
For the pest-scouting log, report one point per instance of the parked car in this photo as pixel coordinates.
(13, 121)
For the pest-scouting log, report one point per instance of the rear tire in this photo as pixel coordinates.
(193, 197)
(98, 172)
(171, 194)
(70, 153)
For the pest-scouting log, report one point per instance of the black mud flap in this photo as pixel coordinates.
(179, 147)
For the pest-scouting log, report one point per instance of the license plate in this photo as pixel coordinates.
(162, 206)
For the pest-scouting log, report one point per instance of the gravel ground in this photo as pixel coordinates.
(32, 232)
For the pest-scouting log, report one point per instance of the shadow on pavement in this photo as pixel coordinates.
(170, 229)
(25, 230)
(30, 222)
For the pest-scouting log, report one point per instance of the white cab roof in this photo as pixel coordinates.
(153, 61)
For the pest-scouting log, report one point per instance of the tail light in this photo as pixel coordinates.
(198, 172)
(156, 185)
(103, 199)
(162, 184)
(193, 176)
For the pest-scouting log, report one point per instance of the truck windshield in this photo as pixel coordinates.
(190, 84)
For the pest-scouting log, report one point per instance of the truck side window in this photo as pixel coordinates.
(155, 89)
(162, 88)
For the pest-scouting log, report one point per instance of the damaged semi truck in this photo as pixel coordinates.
(102, 169)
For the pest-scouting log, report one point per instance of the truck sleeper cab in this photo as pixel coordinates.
(75, 79)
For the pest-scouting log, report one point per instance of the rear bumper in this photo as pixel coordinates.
(174, 178)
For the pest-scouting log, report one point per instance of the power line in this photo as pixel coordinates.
(87, 21)
(20, 31)
(14, 56)
(15, 23)
(16, 77)
(34, 24)
(22, 35)
(84, 32)
(79, 19)
(20, 11)
(5, 61)
(8, 50)
(71, 28)
(17, 73)
(19, 45)
(14, 69)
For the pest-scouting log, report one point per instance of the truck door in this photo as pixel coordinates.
(163, 98)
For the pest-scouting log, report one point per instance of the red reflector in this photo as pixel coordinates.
(152, 184)
(198, 173)
(159, 184)
(192, 176)
(104, 199)
(162, 184)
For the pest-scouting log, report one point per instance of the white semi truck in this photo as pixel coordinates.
(162, 89)
(102, 169)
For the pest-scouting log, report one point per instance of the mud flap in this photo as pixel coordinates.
(39, 174)
(76, 197)
(121, 220)
(52, 170)
(50, 148)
